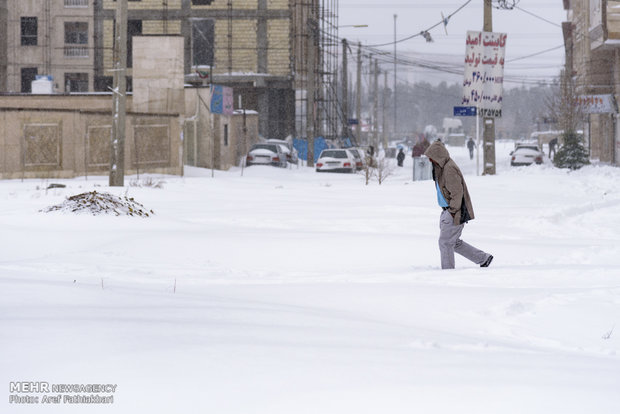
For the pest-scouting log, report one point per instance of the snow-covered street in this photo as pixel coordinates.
(289, 291)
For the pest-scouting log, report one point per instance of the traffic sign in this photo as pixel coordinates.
(464, 111)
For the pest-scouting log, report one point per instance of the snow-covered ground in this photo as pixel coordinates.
(288, 291)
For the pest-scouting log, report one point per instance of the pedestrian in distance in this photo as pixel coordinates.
(455, 202)
(420, 147)
(552, 145)
(400, 157)
(470, 147)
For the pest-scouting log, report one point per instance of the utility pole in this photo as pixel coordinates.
(345, 90)
(375, 121)
(385, 88)
(117, 148)
(488, 135)
(311, 88)
(358, 97)
(395, 89)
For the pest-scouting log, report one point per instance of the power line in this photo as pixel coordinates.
(423, 32)
(535, 54)
(538, 17)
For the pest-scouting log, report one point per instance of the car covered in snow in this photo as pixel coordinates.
(526, 154)
(336, 160)
(289, 150)
(266, 154)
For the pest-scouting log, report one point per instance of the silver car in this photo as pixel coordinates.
(289, 150)
(266, 154)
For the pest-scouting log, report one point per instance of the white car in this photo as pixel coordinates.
(360, 157)
(336, 160)
(289, 150)
(526, 154)
(266, 154)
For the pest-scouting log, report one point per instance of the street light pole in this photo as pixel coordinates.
(345, 90)
(358, 95)
(395, 88)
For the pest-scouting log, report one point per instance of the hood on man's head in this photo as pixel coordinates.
(438, 153)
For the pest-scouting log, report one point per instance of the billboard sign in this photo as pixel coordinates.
(484, 72)
(596, 104)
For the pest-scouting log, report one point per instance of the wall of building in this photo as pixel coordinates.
(55, 143)
(204, 139)
(597, 71)
(158, 74)
(4, 15)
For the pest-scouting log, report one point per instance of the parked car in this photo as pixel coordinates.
(266, 154)
(289, 150)
(360, 157)
(336, 160)
(526, 154)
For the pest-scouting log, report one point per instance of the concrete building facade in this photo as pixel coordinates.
(592, 43)
(67, 135)
(46, 37)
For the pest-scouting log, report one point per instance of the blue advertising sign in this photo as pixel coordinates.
(221, 100)
(464, 111)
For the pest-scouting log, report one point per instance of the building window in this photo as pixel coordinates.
(76, 82)
(203, 31)
(76, 33)
(28, 75)
(29, 28)
(201, 2)
(225, 135)
(76, 3)
(134, 28)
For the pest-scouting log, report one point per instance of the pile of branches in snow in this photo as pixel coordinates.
(101, 203)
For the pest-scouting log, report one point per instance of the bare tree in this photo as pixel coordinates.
(384, 169)
(561, 104)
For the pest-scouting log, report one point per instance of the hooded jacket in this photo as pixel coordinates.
(451, 183)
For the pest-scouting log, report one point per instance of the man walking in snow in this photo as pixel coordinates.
(470, 147)
(400, 157)
(457, 209)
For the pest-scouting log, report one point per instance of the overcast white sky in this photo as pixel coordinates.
(532, 27)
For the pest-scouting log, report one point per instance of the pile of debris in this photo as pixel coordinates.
(101, 203)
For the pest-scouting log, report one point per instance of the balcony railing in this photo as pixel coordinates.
(76, 3)
(76, 51)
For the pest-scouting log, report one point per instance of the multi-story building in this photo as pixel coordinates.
(592, 41)
(46, 37)
(258, 47)
(245, 44)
